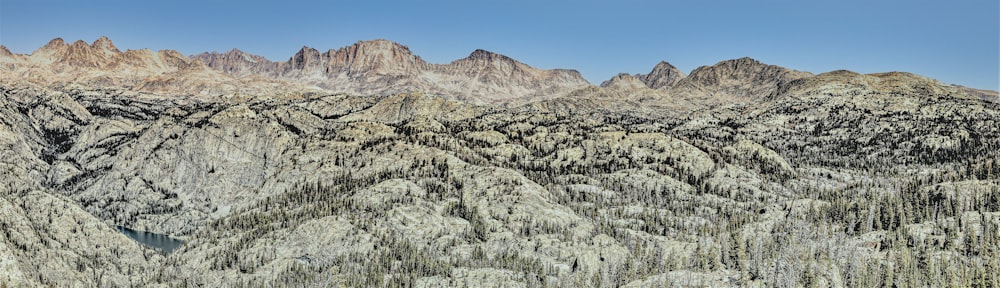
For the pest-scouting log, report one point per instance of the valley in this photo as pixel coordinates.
(738, 174)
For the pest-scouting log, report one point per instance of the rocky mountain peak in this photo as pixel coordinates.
(236, 61)
(54, 44)
(738, 80)
(79, 45)
(232, 53)
(740, 65)
(306, 57)
(378, 46)
(175, 58)
(842, 73)
(624, 81)
(238, 55)
(375, 50)
(229, 58)
(663, 76)
(4, 51)
(485, 62)
(746, 69)
(104, 44)
(306, 50)
(481, 54)
(744, 59)
(378, 56)
(81, 53)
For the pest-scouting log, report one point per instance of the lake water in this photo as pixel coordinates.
(153, 240)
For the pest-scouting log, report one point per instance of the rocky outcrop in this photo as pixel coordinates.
(624, 81)
(664, 76)
(237, 62)
(376, 57)
(737, 80)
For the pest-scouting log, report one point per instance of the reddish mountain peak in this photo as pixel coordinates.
(54, 44)
(380, 45)
(663, 76)
(79, 43)
(742, 68)
(104, 44)
(172, 54)
(374, 50)
(482, 59)
(237, 62)
(305, 50)
(487, 55)
(307, 56)
(379, 56)
(664, 66)
(624, 81)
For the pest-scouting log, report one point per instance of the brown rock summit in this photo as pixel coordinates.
(364, 58)
(489, 67)
(102, 56)
(97, 55)
(663, 76)
(50, 52)
(738, 79)
(490, 73)
(236, 62)
(105, 45)
(84, 55)
(381, 57)
(624, 81)
(54, 44)
(306, 58)
(4, 51)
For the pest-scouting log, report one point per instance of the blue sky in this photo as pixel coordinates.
(954, 41)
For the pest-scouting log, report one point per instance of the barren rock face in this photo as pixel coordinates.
(624, 81)
(663, 76)
(741, 174)
(237, 62)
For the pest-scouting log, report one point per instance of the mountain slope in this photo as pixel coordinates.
(739, 174)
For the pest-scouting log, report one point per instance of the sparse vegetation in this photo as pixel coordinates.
(813, 191)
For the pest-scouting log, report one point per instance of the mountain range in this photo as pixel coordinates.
(366, 166)
(377, 67)
(382, 67)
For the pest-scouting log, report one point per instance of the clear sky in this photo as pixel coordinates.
(955, 41)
